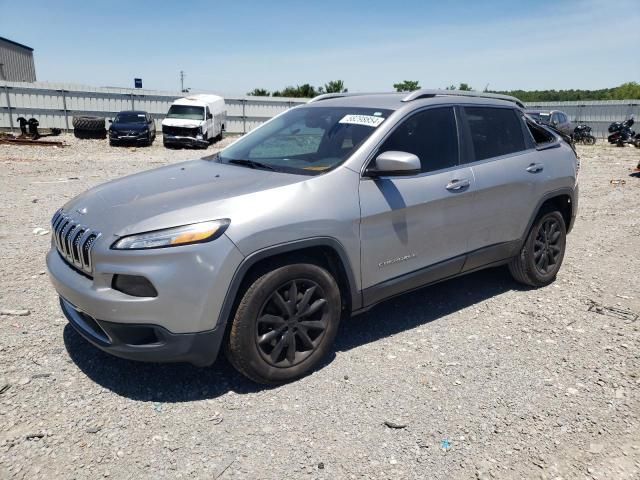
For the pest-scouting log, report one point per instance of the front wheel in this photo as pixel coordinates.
(285, 323)
(538, 262)
(589, 140)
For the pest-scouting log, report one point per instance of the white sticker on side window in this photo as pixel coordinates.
(366, 120)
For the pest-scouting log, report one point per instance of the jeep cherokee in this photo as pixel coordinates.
(321, 212)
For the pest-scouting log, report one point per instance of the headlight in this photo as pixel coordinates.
(171, 237)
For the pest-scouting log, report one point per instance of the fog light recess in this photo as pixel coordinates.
(134, 285)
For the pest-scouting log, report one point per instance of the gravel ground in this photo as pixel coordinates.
(475, 377)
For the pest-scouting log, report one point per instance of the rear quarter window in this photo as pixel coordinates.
(494, 131)
(541, 136)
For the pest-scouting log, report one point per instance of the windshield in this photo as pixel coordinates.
(541, 116)
(131, 118)
(308, 140)
(187, 112)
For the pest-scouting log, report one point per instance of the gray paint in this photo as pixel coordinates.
(16, 62)
(390, 229)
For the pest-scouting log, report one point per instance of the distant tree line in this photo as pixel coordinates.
(301, 91)
(626, 91)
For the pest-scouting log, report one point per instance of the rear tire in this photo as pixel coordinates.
(540, 259)
(285, 323)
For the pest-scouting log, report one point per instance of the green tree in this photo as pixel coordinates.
(450, 87)
(299, 91)
(334, 86)
(465, 87)
(407, 86)
(259, 92)
(626, 91)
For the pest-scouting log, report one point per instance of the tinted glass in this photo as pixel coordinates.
(307, 140)
(431, 135)
(494, 131)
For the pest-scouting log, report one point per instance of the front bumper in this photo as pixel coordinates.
(147, 343)
(143, 137)
(180, 140)
(191, 283)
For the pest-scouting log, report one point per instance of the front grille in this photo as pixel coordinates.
(180, 131)
(73, 241)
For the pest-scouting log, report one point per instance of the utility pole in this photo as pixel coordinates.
(181, 81)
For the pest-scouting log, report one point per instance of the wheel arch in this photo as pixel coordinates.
(326, 251)
(562, 200)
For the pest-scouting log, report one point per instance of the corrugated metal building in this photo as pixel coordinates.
(16, 62)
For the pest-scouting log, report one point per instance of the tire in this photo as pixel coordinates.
(529, 266)
(266, 324)
(89, 123)
(590, 140)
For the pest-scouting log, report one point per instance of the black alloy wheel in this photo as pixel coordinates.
(547, 246)
(291, 323)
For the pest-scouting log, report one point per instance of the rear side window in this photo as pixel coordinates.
(494, 131)
(540, 135)
(431, 135)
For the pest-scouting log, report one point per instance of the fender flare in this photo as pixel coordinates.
(255, 257)
(547, 196)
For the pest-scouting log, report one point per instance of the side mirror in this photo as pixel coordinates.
(394, 163)
(209, 116)
(110, 121)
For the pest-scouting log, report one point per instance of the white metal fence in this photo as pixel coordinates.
(55, 105)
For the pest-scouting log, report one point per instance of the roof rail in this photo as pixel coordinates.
(430, 93)
(327, 96)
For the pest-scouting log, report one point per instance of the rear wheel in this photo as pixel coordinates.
(285, 323)
(538, 262)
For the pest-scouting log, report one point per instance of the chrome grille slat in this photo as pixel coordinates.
(63, 237)
(74, 241)
(81, 242)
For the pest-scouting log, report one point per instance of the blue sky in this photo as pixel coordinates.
(233, 46)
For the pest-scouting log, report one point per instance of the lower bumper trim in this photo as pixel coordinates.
(145, 342)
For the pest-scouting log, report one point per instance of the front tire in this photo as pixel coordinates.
(538, 262)
(285, 323)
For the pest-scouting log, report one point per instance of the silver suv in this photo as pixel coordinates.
(322, 212)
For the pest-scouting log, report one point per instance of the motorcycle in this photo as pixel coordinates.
(621, 134)
(582, 134)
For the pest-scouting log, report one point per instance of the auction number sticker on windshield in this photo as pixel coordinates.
(366, 120)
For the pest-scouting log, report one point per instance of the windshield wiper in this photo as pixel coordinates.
(252, 164)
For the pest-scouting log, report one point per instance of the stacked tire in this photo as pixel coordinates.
(89, 127)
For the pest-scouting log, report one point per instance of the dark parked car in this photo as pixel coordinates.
(553, 118)
(132, 127)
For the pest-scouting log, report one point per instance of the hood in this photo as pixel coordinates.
(174, 195)
(136, 127)
(182, 122)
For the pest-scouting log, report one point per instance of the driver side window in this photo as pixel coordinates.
(431, 135)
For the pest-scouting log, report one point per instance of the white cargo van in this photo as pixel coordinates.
(197, 121)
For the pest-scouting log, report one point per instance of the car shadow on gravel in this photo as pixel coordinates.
(422, 306)
(183, 383)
